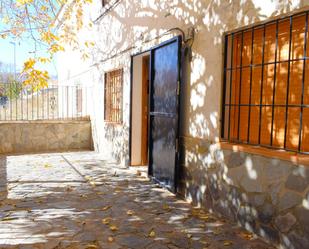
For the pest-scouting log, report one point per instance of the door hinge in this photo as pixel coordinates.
(178, 87)
(177, 146)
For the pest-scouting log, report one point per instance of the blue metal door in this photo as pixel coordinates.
(164, 112)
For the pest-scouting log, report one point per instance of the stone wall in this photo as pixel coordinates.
(265, 195)
(44, 136)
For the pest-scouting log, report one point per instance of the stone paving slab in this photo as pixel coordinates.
(78, 200)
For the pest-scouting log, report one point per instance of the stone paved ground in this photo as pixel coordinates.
(76, 200)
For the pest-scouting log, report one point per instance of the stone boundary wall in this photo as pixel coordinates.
(267, 196)
(45, 136)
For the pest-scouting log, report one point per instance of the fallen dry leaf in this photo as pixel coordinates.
(247, 235)
(227, 243)
(195, 212)
(110, 239)
(113, 228)
(106, 221)
(204, 217)
(8, 218)
(100, 193)
(118, 190)
(205, 243)
(152, 234)
(92, 183)
(47, 165)
(130, 212)
(91, 246)
(166, 207)
(106, 208)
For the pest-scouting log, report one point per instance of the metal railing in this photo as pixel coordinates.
(51, 103)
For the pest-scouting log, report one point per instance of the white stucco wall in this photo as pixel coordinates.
(225, 180)
(126, 29)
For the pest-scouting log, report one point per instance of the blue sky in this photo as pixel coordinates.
(24, 50)
(25, 45)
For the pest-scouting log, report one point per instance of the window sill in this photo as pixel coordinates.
(293, 157)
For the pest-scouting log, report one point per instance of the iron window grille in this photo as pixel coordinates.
(113, 96)
(266, 85)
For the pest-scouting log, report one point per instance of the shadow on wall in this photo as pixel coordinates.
(267, 196)
(117, 134)
(135, 23)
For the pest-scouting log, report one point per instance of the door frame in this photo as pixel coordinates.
(177, 39)
(131, 102)
(145, 100)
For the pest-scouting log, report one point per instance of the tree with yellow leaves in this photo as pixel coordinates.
(36, 19)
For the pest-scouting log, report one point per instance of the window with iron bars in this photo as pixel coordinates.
(266, 85)
(113, 96)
